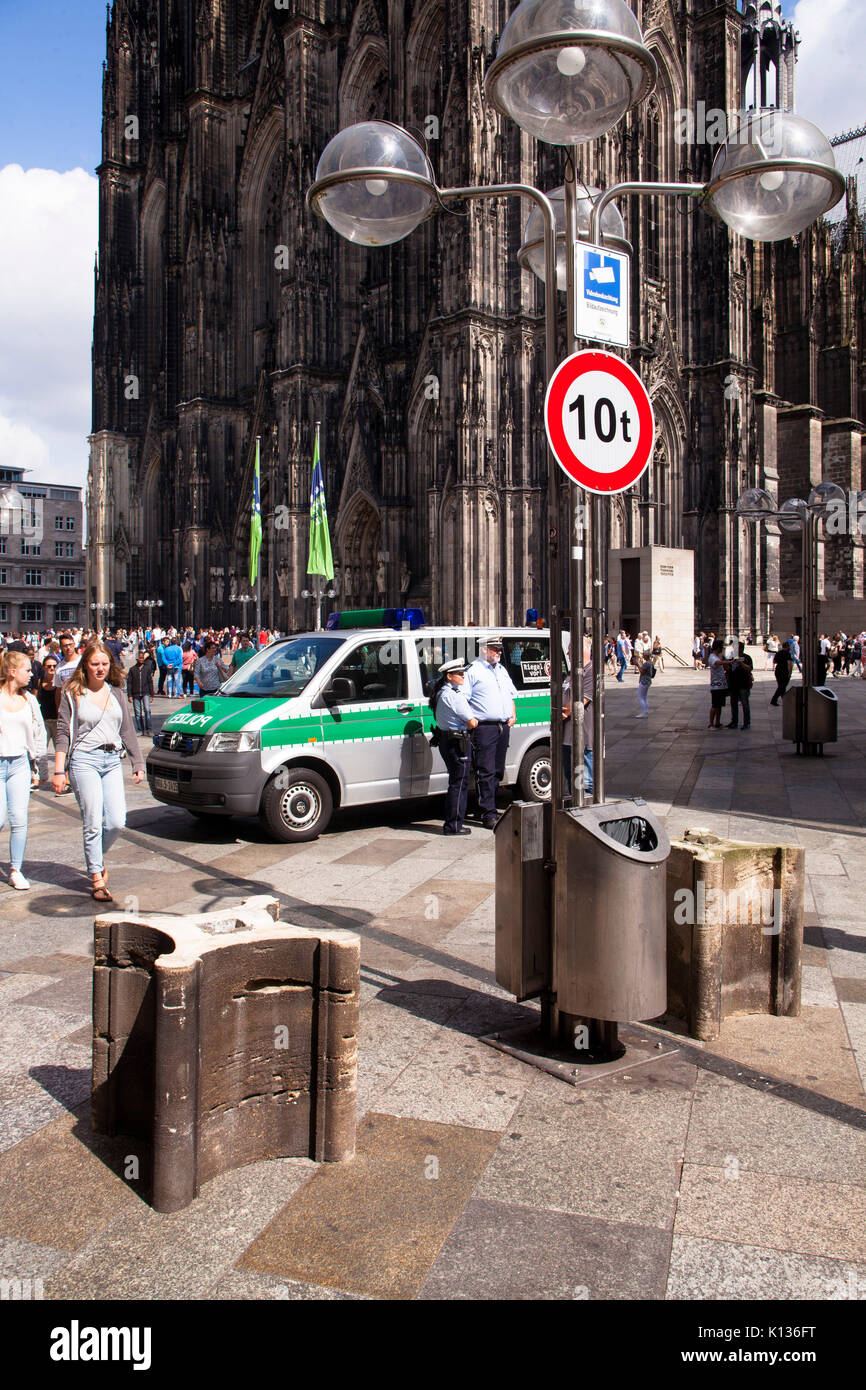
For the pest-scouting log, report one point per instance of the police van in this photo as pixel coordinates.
(341, 718)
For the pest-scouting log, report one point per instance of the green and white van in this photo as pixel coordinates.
(340, 718)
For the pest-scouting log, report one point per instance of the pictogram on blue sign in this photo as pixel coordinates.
(601, 279)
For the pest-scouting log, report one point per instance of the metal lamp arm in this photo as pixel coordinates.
(640, 189)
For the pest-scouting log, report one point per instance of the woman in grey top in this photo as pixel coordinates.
(93, 724)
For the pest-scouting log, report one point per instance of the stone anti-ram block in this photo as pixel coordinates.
(735, 930)
(222, 1039)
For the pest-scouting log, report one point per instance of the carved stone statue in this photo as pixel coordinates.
(405, 578)
(283, 579)
(336, 582)
(380, 578)
(186, 587)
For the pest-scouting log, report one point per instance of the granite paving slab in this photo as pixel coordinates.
(777, 1212)
(812, 1049)
(610, 1150)
(504, 1251)
(374, 1226)
(719, 1269)
(738, 1128)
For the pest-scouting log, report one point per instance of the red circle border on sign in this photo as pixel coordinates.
(560, 383)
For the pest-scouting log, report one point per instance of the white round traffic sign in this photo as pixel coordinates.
(599, 421)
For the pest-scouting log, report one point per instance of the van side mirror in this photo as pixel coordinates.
(338, 691)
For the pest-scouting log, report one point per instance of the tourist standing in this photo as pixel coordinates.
(139, 689)
(658, 654)
(210, 670)
(646, 672)
(22, 744)
(94, 725)
(46, 696)
(718, 683)
(740, 680)
(173, 656)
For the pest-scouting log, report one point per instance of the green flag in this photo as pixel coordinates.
(321, 560)
(256, 523)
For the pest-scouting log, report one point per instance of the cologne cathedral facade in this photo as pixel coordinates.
(226, 312)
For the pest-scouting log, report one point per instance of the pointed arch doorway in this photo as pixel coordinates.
(359, 553)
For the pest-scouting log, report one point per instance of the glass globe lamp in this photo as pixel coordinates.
(774, 176)
(826, 498)
(792, 515)
(568, 70)
(531, 253)
(755, 503)
(374, 184)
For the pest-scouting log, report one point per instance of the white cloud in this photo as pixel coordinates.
(828, 87)
(21, 447)
(48, 237)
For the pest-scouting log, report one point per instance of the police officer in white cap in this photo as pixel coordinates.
(454, 719)
(490, 691)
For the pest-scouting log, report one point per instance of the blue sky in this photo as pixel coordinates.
(51, 83)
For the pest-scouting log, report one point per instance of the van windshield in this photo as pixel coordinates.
(283, 670)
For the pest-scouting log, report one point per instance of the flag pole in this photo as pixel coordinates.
(259, 567)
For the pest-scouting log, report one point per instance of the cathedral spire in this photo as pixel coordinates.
(769, 51)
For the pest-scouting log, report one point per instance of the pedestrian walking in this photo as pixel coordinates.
(490, 692)
(22, 744)
(782, 667)
(139, 689)
(210, 670)
(740, 681)
(46, 697)
(188, 660)
(794, 646)
(658, 654)
(623, 653)
(646, 676)
(173, 655)
(454, 722)
(94, 726)
(718, 683)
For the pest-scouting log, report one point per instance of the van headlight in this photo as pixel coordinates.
(245, 742)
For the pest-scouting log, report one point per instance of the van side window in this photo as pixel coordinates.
(527, 661)
(377, 671)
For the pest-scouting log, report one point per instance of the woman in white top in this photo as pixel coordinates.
(22, 742)
(93, 725)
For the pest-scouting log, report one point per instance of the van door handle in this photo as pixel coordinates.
(405, 709)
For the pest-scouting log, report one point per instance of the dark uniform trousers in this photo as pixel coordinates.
(455, 755)
(489, 747)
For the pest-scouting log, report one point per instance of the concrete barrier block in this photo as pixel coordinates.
(223, 1039)
(734, 929)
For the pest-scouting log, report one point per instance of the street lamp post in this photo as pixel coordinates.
(149, 604)
(319, 592)
(566, 72)
(796, 515)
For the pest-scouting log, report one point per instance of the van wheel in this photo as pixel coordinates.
(297, 805)
(535, 776)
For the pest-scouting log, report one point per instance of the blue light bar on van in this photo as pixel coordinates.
(376, 617)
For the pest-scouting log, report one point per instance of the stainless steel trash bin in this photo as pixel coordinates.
(822, 715)
(610, 949)
(820, 724)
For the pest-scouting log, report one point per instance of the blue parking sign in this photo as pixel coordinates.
(601, 279)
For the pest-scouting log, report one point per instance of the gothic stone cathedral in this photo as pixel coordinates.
(224, 310)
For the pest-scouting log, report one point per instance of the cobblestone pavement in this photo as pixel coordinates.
(732, 1169)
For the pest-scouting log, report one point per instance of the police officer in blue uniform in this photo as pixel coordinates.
(490, 692)
(454, 720)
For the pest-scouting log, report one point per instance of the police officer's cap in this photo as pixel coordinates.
(449, 667)
(491, 641)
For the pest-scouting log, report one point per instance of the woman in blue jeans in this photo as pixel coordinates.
(93, 725)
(22, 742)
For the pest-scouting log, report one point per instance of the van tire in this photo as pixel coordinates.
(297, 805)
(534, 778)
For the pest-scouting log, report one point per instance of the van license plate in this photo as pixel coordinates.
(165, 784)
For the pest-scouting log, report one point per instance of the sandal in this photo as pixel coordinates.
(100, 893)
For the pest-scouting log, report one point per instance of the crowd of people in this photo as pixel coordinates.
(90, 696)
